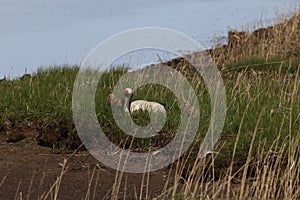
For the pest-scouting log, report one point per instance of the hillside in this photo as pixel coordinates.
(256, 156)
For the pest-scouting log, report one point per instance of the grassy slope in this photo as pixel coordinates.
(254, 85)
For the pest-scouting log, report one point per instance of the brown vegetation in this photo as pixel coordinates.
(280, 40)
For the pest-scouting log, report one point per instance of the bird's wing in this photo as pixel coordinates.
(139, 105)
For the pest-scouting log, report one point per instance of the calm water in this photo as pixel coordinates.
(37, 33)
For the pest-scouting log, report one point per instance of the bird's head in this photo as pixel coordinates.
(128, 92)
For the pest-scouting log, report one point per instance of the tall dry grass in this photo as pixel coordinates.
(280, 40)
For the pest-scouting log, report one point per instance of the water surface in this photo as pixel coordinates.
(37, 33)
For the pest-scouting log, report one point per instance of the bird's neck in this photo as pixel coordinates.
(127, 102)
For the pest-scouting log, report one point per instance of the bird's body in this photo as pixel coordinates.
(156, 111)
(143, 105)
(146, 106)
(132, 106)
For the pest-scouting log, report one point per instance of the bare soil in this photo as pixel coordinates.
(29, 171)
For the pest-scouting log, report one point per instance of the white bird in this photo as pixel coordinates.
(157, 113)
(140, 104)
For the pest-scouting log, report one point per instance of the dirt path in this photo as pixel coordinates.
(29, 171)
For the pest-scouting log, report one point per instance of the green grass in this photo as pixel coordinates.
(43, 100)
(44, 96)
(264, 65)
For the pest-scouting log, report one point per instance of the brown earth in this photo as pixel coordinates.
(29, 171)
